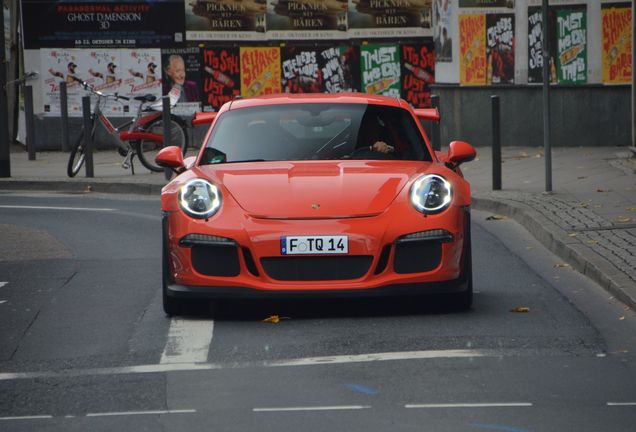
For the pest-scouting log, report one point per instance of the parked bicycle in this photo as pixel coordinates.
(142, 136)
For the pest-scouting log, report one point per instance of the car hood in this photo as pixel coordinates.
(314, 189)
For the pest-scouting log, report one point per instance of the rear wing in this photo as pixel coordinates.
(428, 114)
(203, 118)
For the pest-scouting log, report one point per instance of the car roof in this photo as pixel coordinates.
(308, 98)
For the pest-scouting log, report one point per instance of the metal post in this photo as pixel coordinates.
(166, 131)
(633, 73)
(496, 143)
(64, 116)
(437, 145)
(547, 146)
(5, 147)
(30, 127)
(88, 139)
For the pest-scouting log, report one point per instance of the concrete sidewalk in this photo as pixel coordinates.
(589, 220)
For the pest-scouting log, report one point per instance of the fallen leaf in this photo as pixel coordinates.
(274, 319)
(621, 318)
(591, 242)
(561, 265)
(630, 209)
(572, 235)
(622, 219)
(520, 309)
(496, 217)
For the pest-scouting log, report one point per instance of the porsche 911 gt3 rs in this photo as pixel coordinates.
(320, 194)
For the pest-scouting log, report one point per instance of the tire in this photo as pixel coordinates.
(147, 150)
(77, 156)
(464, 300)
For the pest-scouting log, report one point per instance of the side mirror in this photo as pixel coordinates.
(170, 157)
(460, 152)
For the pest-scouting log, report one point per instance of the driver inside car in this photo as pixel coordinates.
(373, 135)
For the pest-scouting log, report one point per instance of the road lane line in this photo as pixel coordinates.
(621, 404)
(471, 405)
(134, 413)
(92, 209)
(314, 408)
(188, 341)
(35, 417)
(3, 284)
(387, 356)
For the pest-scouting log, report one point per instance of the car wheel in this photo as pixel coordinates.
(464, 299)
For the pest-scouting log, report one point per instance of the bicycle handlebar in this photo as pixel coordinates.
(90, 88)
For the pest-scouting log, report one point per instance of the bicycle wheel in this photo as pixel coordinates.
(147, 150)
(77, 156)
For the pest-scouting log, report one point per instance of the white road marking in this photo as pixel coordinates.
(184, 367)
(133, 413)
(621, 404)
(188, 341)
(314, 408)
(3, 284)
(3, 301)
(35, 417)
(362, 358)
(471, 405)
(93, 209)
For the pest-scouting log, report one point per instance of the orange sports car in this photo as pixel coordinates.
(316, 194)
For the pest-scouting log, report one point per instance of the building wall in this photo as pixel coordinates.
(594, 116)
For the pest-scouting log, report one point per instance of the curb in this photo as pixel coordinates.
(572, 251)
(81, 186)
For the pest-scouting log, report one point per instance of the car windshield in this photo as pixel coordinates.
(314, 132)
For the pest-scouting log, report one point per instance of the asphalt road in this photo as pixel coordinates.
(84, 344)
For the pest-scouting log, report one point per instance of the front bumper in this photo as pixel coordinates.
(383, 260)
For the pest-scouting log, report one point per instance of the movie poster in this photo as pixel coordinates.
(221, 80)
(260, 71)
(500, 48)
(373, 18)
(442, 17)
(418, 71)
(380, 69)
(225, 19)
(141, 75)
(340, 68)
(181, 69)
(535, 45)
(59, 65)
(472, 49)
(571, 35)
(307, 19)
(81, 23)
(617, 43)
(104, 73)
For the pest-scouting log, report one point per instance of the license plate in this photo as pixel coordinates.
(296, 245)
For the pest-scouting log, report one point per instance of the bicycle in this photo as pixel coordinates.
(142, 136)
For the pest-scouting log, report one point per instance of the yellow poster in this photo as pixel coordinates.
(472, 49)
(617, 44)
(260, 71)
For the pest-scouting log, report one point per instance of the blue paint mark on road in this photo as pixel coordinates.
(362, 389)
(501, 428)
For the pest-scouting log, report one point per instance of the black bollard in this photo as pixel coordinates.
(88, 139)
(496, 144)
(437, 145)
(166, 131)
(30, 127)
(64, 116)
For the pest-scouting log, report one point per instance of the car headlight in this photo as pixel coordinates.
(200, 198)
(431, 193)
